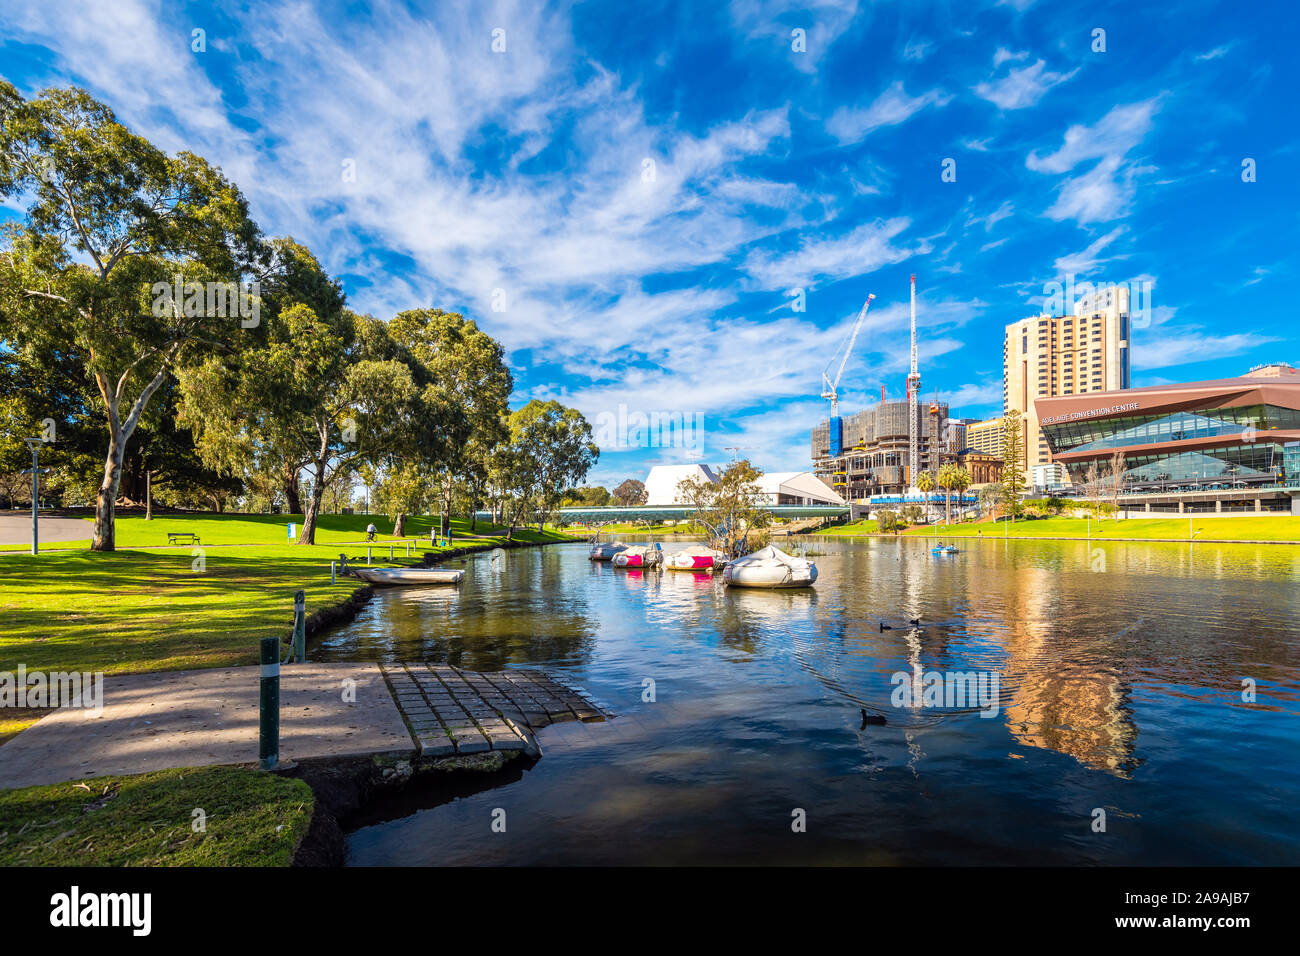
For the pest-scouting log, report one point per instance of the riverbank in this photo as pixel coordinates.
(1245, 529)
(143, 610)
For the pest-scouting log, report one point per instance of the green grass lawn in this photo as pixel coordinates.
(1234, 528)
(851, 528)
(148, 610)
(251, 819)
(133, 531)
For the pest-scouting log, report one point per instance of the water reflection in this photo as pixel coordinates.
(1119, 685)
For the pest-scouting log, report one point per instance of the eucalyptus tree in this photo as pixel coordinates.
(465, 387)
(112, 225)
(550, 450)
(630, 491)
(323, 390)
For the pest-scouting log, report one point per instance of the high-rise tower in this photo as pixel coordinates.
(913, 391)
(1047, 356)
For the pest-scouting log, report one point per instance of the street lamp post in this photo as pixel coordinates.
(35, 445)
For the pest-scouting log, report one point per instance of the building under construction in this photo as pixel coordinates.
(883, 450)
(873, 457)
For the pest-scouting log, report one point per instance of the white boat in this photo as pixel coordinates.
(770, 568)
(605, 550)
(406, 577)
(696, 558)
(639, 556)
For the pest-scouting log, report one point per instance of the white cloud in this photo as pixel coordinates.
(1106, 190)
(861, 251)
(1023, 87)
(1165, 350)
(1114, 134)
(917, 49)
(852, 124)
(1216, 53)
(1081, 263)
(823, 22)
(1098, 195)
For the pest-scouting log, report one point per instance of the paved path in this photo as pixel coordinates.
(16, 528)
(205, 717)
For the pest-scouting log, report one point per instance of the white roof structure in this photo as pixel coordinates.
(797, 487)
(661, 483)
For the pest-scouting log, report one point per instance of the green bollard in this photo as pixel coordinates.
(300, 626)
(268, 743)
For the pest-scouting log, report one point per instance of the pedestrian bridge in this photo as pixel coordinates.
(600, 515)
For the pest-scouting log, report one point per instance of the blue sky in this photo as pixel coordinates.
(627, 194)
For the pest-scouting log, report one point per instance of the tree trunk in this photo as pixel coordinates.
(289, 483)
(308, 535)
(105, 538)
(148, 495)
(399, 526)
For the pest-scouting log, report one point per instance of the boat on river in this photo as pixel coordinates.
(408, 577)
(605, 550)
(770, 567)
(639, 556)
(944, 549)
(695, 558)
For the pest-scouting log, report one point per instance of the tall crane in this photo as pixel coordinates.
(830, 389)
(913, 393)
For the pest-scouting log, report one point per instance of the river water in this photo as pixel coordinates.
(1118, 733)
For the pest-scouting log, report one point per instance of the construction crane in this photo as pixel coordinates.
(830, 389)
(913, 399)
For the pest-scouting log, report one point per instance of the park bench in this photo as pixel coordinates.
(182, 537)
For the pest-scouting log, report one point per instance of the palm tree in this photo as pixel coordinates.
(960, 479)
(945, 481)
(925, 484)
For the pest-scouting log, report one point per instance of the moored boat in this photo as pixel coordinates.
(639, 556)
(408, 577)
(605, 550)
(770, 567)
(695, 558)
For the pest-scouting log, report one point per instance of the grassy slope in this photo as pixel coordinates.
(851, 528)
(253, 819)
(133, 531)
(138, 610)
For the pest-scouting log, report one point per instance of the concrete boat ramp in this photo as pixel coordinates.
(327, 711)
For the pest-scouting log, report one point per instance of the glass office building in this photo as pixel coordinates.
(1231, 433)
